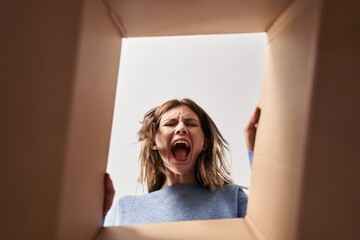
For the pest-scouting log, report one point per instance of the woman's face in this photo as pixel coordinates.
(179, 140)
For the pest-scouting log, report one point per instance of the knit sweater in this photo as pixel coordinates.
(179, 202)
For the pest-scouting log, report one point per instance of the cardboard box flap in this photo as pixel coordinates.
(165, 18)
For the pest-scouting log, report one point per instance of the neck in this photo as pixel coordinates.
(172, 178)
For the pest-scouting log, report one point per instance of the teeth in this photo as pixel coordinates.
(186, 143)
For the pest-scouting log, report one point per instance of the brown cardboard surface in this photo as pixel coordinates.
(276, 184)
(88, 136)
(330, 200)
(59, 64)
(225, 229)
(38, 54)
(162, 18)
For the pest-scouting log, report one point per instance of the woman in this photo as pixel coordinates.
(183, 164)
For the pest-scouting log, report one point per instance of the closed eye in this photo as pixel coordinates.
(170, 123)
(192, 123)
(187, 122)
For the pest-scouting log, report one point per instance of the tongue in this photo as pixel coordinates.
(180, 153)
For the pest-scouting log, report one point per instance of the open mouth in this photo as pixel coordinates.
(180, 150)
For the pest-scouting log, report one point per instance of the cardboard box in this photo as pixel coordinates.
(59, 64)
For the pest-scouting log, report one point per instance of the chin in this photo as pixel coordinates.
(182, 170)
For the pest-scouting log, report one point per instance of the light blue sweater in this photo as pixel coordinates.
(179, 202)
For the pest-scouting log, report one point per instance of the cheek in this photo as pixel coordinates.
(161, 140)
(200, 139)
(198, 146)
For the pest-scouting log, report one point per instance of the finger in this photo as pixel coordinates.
(254, 120)
(256, 116)
(107, 204)
(109, 187)
(109, 193)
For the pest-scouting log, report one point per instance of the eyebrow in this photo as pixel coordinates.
(187, 119)
(191, 119)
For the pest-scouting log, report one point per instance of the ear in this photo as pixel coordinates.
(154, 147)
(206, 144)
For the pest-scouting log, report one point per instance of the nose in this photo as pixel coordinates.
(181, 129)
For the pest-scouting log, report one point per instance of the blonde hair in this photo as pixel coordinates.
(211, 169)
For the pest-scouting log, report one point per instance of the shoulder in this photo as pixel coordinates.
(233, 187)
(236, 190)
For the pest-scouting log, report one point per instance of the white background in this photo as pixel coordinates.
(222, 73)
